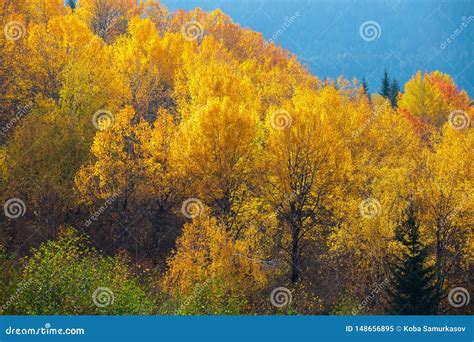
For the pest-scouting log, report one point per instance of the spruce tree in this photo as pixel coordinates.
(385, 86)
(394, 90)
(72, 4)
(414, 291)
(365, 87)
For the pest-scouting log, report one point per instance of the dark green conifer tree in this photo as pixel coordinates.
(72, 4)
(394, 90)
(385, 86)
(365, 86)
(414, 291)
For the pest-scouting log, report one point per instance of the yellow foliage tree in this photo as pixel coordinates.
(217, 143)
(206, 252)
(52, 47)
(108, 19)
(446, 192)
(142, 58)
(432, 97)
(129, 164)
(41, 11)
(306, 164)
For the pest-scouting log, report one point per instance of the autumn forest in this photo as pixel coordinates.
(176, 163)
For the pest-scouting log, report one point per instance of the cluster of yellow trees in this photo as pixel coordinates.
(287, 180)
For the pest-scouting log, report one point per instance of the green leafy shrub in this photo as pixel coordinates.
(8, 278)
(207, 298)
(68, 277)
(347, 305)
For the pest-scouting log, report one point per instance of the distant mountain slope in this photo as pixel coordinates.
(325, 34)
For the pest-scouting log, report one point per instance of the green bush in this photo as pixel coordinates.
(347, 305)
(207, 298)
(66, 277)
(8, 278)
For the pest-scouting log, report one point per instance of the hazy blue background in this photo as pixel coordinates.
(326, 37)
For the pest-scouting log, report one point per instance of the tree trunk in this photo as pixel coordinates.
(438, 262)
(294, 254)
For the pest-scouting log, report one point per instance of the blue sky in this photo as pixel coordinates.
(328, 36)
